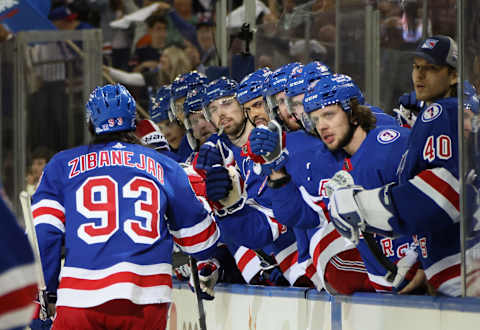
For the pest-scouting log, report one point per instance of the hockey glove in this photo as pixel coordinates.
(354, 209)
(341, 179)
(208, 155)
(406, 269)
(218, 183)
(264, 141)
(211, 154)
(208, 274)
(225, 188)
(182, 272)
(408, 109)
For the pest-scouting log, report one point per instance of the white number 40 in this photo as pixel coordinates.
(441, 148)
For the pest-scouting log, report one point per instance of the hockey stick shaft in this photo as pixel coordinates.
(381, 258)
(196, 284)
(32, 237)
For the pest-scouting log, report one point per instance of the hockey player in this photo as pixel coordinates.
(118, 207)
(159, 109)
(371, 159)
(224, 111)
(18, 278)
(179, 90)
(427, 175)
(199, 129)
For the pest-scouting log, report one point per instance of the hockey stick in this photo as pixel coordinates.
(196, 284)
(381, 258)
(32, 237)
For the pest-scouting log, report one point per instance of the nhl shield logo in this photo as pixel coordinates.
(387, 136)
(432, 112)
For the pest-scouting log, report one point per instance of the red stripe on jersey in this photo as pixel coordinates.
(245, 259)
(443, 187)
(289, 261)
(50, 211)
(310, 271)
(281, 228)
(322, 245)
(122, 277)
(381, 288)
(18, 299)
(197, 238)
(445, 275)
(324, 207)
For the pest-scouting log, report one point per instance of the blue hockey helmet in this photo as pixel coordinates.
(470, 98)
(160, 104)
(111, 108)
(276, 83)
(180, 87)
(221, 87)
(194, 103)
(251, 86)
(333, 89)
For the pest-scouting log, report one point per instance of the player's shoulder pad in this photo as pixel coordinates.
(389, 134)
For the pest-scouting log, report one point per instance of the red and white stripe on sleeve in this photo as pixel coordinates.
(444, 275)
(288, 263)
(325, 244)
(442, 187)
(50, 212)
(197, 238)
(276, 228)
(247, 262)
(17, 292)
(141, 284)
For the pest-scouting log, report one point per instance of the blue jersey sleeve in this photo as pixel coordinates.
(193, 228)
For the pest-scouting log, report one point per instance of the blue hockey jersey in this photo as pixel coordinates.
(373, 165)
(426, 199)
(118, 208)
(18, 278)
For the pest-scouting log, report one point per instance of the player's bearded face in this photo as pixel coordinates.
(333, 126)
(287, 118)
(255, 110)
(431, 81)
(226, 112)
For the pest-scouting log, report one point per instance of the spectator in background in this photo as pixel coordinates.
(40, 158)
(173, 62)
(206, 41)
(149, 48)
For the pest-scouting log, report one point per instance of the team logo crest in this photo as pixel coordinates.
(388, 136)
(429, 43)
(432, 112)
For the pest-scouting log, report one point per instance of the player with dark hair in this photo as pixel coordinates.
(118, 207)
(428, 175)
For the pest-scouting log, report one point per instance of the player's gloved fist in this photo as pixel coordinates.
(266, 169)
(344, 213)
(262, 140)
(182, 272)
(410, 101)
(406, 269)
(218, 183)
(208, 155)
(408, 109)
(341, 179)
(208, 274)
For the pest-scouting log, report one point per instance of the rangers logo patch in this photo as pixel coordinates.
(432, 112)
(429, 43)
(387, 136)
